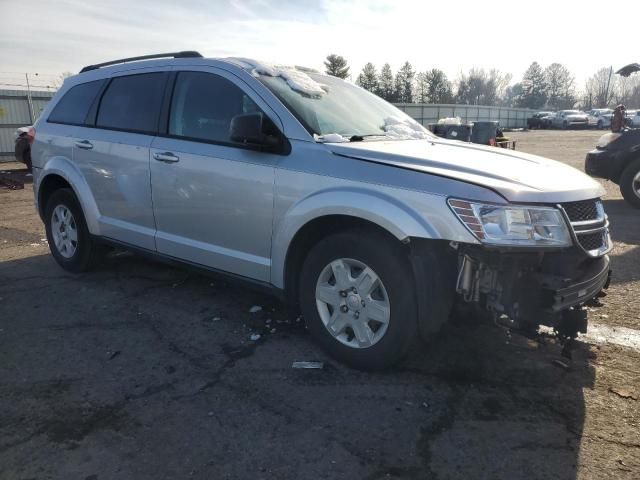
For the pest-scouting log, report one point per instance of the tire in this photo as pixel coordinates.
(630, 183)
(69, 240)
(600, 125)
(353, 251)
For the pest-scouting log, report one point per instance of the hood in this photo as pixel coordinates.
(518, 177)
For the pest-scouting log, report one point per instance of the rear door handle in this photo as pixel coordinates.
(84, 144)
(166, 157)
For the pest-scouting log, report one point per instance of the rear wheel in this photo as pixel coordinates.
(69, 239)
(357, 295)
(630, 183)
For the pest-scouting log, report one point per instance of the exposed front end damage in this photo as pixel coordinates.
(531, 289)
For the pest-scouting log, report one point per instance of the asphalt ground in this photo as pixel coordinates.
(138, 370)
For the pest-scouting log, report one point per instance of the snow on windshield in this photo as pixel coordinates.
(397, 127)
(297, 80)
(330, 138)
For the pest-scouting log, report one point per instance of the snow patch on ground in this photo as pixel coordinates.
(404, 128)
(297, 79)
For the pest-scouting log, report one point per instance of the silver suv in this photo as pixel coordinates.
(354, 214)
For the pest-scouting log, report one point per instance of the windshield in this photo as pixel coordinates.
(343, 109)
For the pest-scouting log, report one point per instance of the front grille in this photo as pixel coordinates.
(581, 211)
(589, 224)
(592, 241)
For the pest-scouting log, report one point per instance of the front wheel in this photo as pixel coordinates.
(69, 239)
(357, 295)
(630, 183)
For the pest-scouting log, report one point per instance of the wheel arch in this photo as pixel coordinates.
(327, 212)
(59, 173)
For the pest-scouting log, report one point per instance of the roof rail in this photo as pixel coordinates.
(186, 54)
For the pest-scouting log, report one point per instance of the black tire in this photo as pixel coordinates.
(627, 183)
(388, 260)
(87, 252)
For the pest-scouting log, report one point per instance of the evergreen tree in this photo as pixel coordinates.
(422, 88)
(386, 88)
(439, 88)
(404, 84)
(534, 87)
(337, 66)
(561, 91)
(368, 78)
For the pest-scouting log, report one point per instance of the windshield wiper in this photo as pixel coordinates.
(360, 138)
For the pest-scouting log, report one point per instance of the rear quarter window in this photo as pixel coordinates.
(132, 103)
(75, 104)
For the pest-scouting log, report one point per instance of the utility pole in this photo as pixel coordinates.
(606, 95)
(29, 99)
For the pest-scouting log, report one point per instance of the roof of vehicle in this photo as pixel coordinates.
(629, 69)
(297, 77)
(244, 63)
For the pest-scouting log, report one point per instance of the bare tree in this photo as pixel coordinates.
(480, 87)
(57, 83)
(598, 89)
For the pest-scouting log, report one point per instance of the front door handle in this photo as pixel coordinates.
(166, 157)
(84, 144)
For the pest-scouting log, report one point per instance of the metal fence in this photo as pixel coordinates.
(430, 113)
(18, 108)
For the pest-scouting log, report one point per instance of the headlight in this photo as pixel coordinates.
(513, 225)
(607, 138)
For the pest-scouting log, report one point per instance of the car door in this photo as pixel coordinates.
(113, 154)
(213, 198)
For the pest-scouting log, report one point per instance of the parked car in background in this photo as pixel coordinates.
(570, 119)
(24, 138)
(600, 117)
(539, 120)
(319, 192)
(633, 118)
(617, 158)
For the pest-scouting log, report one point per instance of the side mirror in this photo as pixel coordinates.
(249, 129)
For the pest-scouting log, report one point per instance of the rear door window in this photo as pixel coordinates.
(132, 103)
(75, 104)
(203, 105)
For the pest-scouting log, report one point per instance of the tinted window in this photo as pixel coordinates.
(75, 104)
(203, 105)
(132, 103)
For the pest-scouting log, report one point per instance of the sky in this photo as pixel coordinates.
(51, 37)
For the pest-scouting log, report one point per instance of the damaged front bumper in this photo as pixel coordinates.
(531, 289)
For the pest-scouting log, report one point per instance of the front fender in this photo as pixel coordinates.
(383, 210)
(64, 168)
